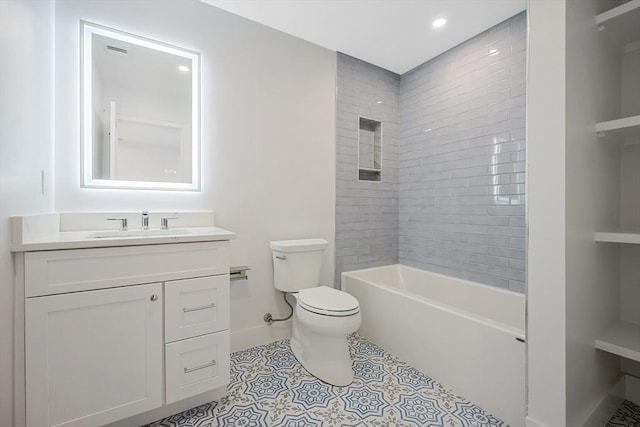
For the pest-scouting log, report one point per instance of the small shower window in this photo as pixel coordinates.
(369, 150)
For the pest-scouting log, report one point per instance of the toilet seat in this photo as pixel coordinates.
(328, 301)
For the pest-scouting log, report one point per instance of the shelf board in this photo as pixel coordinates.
(621, 23)
(617, 12)
(618, 237)
(370, 169)
(623, 339)
(625, 127)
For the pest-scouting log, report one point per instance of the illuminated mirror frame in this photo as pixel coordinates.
(87, 30)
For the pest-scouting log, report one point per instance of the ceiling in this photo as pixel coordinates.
(393, 34)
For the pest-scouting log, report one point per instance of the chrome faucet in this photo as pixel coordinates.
(145, 220)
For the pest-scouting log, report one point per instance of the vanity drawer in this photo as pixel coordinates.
(55, 272)
(196, 365)
(196, 307)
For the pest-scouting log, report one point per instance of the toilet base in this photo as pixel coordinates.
(320, 345)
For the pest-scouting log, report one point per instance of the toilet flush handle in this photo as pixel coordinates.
(282, 257)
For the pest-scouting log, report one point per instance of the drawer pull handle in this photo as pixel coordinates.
(196, 368)
(202, 307)
(282, 257)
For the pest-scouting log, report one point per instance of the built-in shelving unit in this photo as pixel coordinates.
(623, 339)
(623, 12)
(626, 127)
(618, 237)
(621, 23)
(620, 30)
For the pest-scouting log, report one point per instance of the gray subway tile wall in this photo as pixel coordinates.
(366, 211)
(462, 160)
(452, 196)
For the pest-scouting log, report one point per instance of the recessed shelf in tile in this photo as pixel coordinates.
(369, 175)
(369, 149)
(623, 339)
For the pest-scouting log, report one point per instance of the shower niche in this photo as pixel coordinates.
(369, 149)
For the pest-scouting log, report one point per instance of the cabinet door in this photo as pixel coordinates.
(93, 357)
(196, 307)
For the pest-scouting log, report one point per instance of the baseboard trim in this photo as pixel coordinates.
(263, 334)
(608, 406)
(530, 422)
(632, 389)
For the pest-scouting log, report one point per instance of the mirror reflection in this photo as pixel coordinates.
(141, 127)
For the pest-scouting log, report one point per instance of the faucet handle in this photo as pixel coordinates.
(164, 222)
(123, 223)
(145, 220)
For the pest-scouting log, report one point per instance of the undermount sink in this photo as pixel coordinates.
(138, 233)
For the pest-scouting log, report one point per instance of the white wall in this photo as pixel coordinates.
(26, 147)
(268, 135)
(546, 213)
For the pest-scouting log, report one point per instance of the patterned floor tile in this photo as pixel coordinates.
(410, 376)
(335, 415)
(190, 418)
(266, 386)
(421, 410)
(368, 370)
(473, 416)
(247, 416)
(313, 393)
(269, 387)
(302, 420)
(627, 415)
(365, 401)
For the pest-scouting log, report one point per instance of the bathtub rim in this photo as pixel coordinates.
(510, 329)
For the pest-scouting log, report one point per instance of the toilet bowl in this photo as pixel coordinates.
(322, 317)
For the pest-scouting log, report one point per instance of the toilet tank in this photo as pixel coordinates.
(296, 263)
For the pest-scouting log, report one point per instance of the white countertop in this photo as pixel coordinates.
(40, 233)
(83, 239)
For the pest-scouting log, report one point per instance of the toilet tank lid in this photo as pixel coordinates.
(300, 245)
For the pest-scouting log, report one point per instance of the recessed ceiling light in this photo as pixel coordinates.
(183, 68)
(439, 22)
(378, 102)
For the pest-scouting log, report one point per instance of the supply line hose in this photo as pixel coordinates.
(269, 318)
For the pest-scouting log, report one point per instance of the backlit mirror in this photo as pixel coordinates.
(140, 108)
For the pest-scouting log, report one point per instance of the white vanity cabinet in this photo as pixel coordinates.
(114, 332)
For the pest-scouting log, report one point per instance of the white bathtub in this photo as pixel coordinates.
(467, 336)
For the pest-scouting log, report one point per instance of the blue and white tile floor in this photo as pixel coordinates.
(627, 415)
(270, 388)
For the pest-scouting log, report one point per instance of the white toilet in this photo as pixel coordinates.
(323, 316)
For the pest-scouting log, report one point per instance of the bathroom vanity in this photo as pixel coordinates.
(108, 328)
